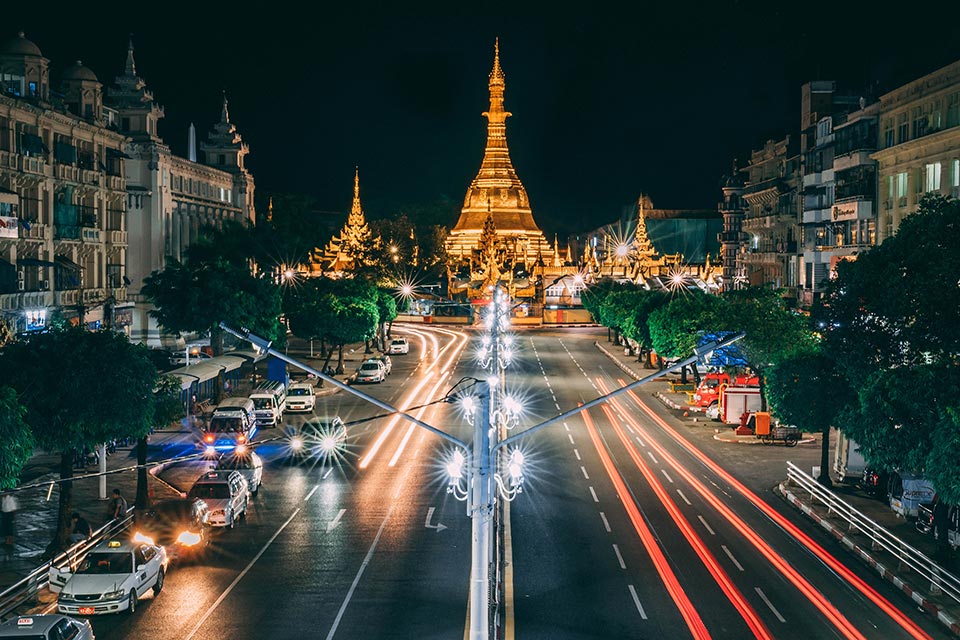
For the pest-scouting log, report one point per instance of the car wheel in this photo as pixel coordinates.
(132, 601)
(232, 520)
(158, 585)
(255, 491)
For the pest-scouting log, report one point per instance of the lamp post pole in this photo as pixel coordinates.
(481, 512)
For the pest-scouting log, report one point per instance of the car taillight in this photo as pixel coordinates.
(241, 438)
(208, 437)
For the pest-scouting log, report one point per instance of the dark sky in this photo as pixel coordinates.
(608, 101)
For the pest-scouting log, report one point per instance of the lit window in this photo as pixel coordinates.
(955, 174)
(902, 184)
(933, 177)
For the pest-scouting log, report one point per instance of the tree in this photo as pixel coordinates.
(356, 321)
(674, 328)
(792, 385)
(636, 326)
(80, 389)
(387, 313)
(16, 437)
(165, 408)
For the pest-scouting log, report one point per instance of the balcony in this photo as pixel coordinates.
(67, 297)
(90, 234)
(114, 183)
(93, 296)
(31, 164)
(36, 231)
(27, 300)
(89, 177)
(66, 172)
(117, 237)
(8, 160)
(119, 294)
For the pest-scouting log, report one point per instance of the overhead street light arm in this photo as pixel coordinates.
(699, 353)
(264, 346)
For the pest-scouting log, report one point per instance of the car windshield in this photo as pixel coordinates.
(299, 392)
(370, 366)
(400, 341)
(219, 424)
(103, 563)
(210, 491)
(263, 403)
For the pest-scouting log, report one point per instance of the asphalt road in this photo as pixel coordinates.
(630, 525)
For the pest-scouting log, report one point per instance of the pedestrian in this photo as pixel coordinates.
(118, 506)
(81, 529)
(8, 508)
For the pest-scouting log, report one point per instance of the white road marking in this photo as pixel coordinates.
(594, 494)
(616, 550)
(636, 601)
(576, 453)
(606, 525)
(683, 496)
(312, 491)
(239, 577)
(585, 476)
(336, 521)
(704, 522)
(439, 527)
(571, 439)
(556, 405)
(329, 471)
(730, 555)
(666, 475)
(564, 426)
(642, 443)
(770, 604)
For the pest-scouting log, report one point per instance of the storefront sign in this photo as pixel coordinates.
(9, 227)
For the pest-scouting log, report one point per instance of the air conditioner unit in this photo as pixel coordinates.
(44, 285)
(21, 286)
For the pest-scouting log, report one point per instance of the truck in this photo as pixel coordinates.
(907, 491)
(848, 464)
(708, 392)
(733, 402)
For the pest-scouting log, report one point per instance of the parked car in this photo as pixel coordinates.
(110, 579)
(371, 371)
(46, 627)
(179, 525)
(398, 345)
(248, 463)
(301, 396)
(387, 362)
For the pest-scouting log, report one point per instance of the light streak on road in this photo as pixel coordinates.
(747, 612)
(829, 611)
(882, 603)
(660, 562)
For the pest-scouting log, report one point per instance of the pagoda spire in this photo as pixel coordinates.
(355, 208)
(496, 115)
(225, 113)
(130, 68)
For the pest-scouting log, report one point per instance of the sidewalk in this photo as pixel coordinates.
(944, 609)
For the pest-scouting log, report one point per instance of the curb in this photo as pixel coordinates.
(914, 594)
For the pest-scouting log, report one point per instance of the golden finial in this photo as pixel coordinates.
(496, 76)
(270, 210)
(355, 207)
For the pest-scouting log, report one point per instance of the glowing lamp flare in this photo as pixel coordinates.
(455, 466)
(513, 407)
(241, 449)
(328, 444)
(210, 451)
(515, 465)
(296, 443)
(142, 539)
(188, 538)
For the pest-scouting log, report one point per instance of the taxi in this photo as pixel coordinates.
(46, 627)
(110, 579)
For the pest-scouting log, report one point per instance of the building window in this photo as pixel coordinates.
(903, 128)
(888, 134)
(902, 188)
(32, 88)
(933, 177)
(955, 173)
(953, 110)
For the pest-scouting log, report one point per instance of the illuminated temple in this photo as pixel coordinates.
(496, 238)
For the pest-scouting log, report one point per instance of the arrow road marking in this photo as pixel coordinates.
(439, 527)
(336, 521)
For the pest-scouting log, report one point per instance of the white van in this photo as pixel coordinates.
(226, 494)
(270, 402)
(233, 423)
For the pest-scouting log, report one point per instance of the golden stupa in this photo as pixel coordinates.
(496, 193)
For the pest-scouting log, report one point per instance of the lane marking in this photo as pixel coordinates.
(336, 521)
(642, 443)
(606, 525)
(566, 427)
(582, 468)
(312, 491)
(684, 497)
(730, 555)
(329, 471)
(616, 550)
(426, 523)
(704, 522)
(770, 604)
(571, 439)
(576, 453)
(239, 577)
(636, 601)
(655, 461)
(594, 494)
(666, 475)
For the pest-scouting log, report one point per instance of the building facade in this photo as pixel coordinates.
(170, 198)
(63, 232)
(919, 145)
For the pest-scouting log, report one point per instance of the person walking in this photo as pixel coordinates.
(118, 506)
(80, 530)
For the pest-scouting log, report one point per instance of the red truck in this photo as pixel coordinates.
(708, 392)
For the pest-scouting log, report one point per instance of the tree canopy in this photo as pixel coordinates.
(16, 437)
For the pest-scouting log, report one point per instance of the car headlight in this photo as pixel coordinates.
(188, 538)
(113, 595)
(139, 537)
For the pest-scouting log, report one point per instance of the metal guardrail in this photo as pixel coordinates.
(941, 580)
(27, 589)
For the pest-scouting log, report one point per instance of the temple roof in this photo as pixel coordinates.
(496, 189)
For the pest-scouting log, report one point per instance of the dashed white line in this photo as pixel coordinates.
(683, 496)
(557, 405)
(652, 457)
(594, 494)
(576, 453)
(704, 522)
(642, 443)
(606, 525)
(329, 471)
(730, 555)
(571, 439)
(636, 601)
(566, 426)
(770, 604)
(584, 469)
(616, 550)
(667, 476)
(312, 491)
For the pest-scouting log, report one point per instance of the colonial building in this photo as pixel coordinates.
(170, 199)
(919, 145)
(496, 237)
(63, 232)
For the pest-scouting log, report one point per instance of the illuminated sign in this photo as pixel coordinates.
(9, 227)
(857, 209)
(36, 319)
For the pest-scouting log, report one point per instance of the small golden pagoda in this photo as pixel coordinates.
(354, 241)
(497, 194)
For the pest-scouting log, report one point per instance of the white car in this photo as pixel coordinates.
(398, 345)
(301, 396)
(225, 493)
(247, 463)
(44, 626)
(371, 371)
(109, 579)
(180, 359)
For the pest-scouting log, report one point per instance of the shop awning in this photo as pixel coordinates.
(34, 262)
(67, 263)
(117, 153)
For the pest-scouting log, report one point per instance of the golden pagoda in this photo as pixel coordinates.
(496, 192)
(354, 241)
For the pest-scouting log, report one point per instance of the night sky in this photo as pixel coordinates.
(607, 102)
